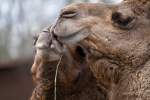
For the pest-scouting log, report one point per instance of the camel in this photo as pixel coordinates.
(75, 79)
(116, 40)
(119, 37)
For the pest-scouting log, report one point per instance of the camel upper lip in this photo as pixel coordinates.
(74, 38)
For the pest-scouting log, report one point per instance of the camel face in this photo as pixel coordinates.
(118, 38)
(120, 31)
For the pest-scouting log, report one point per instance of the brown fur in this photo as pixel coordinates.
(75, 79)
(118, 38)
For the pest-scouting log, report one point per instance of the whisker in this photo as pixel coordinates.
(55, 81)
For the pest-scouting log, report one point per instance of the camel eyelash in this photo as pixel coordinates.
(68, 14)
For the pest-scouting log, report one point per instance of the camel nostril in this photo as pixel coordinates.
(80, 51)
(55, 36)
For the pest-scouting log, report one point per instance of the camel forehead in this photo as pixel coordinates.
(97, 8)
(86, 7)
(79, 6)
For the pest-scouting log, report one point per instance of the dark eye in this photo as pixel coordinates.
(68, 14)
(122, 21)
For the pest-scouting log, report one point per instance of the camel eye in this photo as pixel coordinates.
(68, 14)
(124, 22)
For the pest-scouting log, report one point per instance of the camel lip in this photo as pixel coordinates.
(74, 38)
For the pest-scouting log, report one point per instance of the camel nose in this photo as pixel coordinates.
(55, 36)
(53, 33)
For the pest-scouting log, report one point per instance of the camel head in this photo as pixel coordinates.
(120, 32)
(117, 37)
(75, 79)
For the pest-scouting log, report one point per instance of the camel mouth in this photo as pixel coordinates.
(80, 39)
(74, 37)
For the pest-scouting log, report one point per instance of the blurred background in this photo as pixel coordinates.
(19, 20)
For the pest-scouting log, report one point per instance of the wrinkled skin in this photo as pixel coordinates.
(75, 80)
(118, 39)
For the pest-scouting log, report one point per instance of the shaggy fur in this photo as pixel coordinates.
(75, 80)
